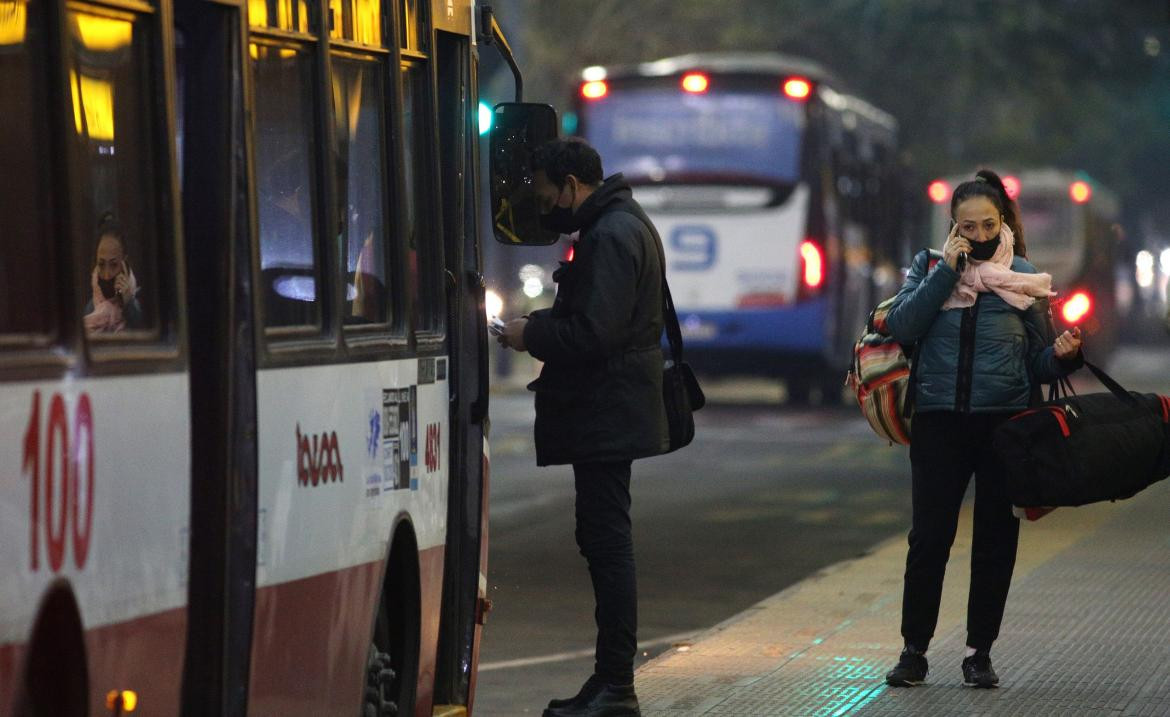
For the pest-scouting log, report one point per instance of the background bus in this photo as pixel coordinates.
(1071, 231)
(778, 198)
(255, 483)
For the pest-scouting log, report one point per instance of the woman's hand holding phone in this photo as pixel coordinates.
(955, 249)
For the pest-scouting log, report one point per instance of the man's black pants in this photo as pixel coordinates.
(605, 539)
(945, 449)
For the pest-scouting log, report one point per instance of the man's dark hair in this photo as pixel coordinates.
(559, 158)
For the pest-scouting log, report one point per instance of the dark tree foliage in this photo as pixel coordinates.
(1079, 84)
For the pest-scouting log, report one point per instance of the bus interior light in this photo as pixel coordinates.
(1080, 191)
(1011, 185)
(695, 82)
(814, 264)
(1077, 307)
(595, 89)
(938, 191)
(797, 88)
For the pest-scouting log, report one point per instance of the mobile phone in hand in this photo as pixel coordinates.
(496, 326)
(961, 263)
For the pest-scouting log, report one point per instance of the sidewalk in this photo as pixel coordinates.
(1087, 632)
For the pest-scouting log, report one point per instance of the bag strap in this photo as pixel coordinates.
(669, 315)
(1114, 387)
(911, 385)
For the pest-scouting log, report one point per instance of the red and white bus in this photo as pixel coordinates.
(243, 376)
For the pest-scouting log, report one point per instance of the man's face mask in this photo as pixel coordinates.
(560, 219)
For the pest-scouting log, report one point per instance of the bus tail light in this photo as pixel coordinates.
(695, 82)
(1080, 192)
(595, 89)
(1076, 307)
(1011, 185)
(812, 268)
(797, 88)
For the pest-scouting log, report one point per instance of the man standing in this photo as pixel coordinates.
(599, 395)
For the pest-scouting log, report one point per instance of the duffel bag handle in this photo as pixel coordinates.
(1113, 386)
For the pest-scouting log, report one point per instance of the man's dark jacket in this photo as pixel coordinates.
(599, 395)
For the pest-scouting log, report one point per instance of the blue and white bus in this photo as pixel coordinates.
(778, 198)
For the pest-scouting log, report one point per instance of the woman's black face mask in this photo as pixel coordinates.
(984, 250)
(107, 287)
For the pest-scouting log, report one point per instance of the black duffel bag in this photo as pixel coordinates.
(1084, 449)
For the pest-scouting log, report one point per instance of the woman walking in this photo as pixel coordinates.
(980, 317)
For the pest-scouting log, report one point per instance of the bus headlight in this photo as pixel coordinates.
(493, 304)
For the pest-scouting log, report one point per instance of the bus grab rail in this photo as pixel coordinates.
(493, 34)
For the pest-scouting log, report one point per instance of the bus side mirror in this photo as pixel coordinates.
(517, 130)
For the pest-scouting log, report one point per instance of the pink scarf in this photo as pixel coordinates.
(106, 316)
(1018, 289)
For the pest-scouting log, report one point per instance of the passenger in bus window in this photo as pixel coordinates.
(369, 293)
(985, 342)
(113, 304)
(599, 395)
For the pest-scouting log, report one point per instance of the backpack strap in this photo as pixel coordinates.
(933, 257)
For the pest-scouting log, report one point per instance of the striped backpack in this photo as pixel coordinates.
(883, 374)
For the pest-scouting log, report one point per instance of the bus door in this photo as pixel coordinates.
(210, 129)
(464, 582)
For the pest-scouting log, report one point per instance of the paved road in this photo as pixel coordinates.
(764, 497)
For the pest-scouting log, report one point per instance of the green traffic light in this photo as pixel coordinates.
(485, 118)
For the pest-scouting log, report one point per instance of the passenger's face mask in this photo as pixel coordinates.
(984, 250)
(107, 287)
(560, 219)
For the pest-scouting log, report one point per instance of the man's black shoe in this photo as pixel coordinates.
(910, 671)
(597, 699)
(978, 672)
(591, 686)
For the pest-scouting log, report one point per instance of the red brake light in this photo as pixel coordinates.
(594, 90)
(1080, 192)
(695, 82)
(1077, 307)
(814, 264)
(797, 88)
(1011, 185)
(572, 252)
(939, 191)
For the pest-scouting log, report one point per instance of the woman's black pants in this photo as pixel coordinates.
(945, 449)
(605, 538)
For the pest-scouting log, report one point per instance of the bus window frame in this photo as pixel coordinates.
(67, 348)
(333, 341)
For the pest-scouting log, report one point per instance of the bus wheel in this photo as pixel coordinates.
(392, 662)
(56, 682)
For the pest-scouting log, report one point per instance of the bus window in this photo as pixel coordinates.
(424, 246)
(112, 95)
(413, 29)
(27, 283)
(286, 195)
(359, 96)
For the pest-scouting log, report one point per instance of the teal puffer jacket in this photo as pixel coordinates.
(983, 358)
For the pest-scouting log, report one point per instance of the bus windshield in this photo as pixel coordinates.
(1048, 222)
(665, 134)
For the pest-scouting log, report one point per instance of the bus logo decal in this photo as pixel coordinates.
(318, 461)
(693, 247)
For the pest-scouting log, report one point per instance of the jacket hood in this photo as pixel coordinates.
(614, 190)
